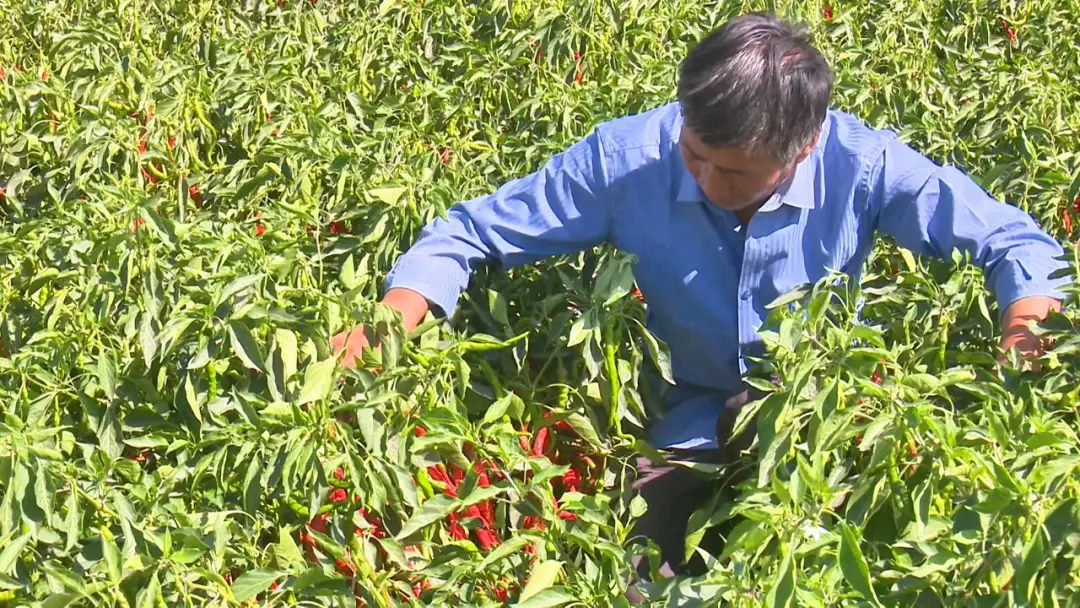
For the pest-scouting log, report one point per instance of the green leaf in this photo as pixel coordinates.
(782, 594)
(148, 339)
(110, 438)
(853, 564)
(106, 373)
(793, 295)
(286, 343)
(238, 285)
(148, 596)
(287, 550)
(548, 598)
(498, 409)
(508, 548)
(73, 522)
(12, 552)
(318, 381)
(243, 345)
(390, 196)
(112, 558)
(479, 495)
(615, 280)
(541, 578)
(584, 429)
(1035, 556)
(433, 510)
(497, 308)
(254, 582)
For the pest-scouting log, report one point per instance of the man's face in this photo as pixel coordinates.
(729, 177)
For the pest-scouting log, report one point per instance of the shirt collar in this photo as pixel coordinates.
(799, 191)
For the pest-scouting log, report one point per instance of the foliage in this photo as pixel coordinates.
(197, 195)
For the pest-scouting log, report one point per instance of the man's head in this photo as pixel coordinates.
(754, 94)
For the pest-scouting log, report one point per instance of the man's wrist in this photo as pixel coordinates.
(412, 305)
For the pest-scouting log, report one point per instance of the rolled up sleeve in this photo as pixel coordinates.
(934, 210)
(561, 208)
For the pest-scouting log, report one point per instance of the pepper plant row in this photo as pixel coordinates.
(195, 196)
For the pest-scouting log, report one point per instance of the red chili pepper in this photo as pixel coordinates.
(540, 442)
(1009, 33)
(419, 431)
(913, 451)
(319, 523)
(345, 567)
(571, 480)
(336, 227)
(533, 522)
(637, 294)
(339, 495)
(579, 74)
(3, 74)
(142, 146)
(136, 223)
(45, 75)
(274, 586)
(1076, 204)
(567, 515)
(487, 538)
(445, 156)
(457, 532)
(438, 473)
(828, 11)
(260, 230)
(172, 143)
(457, 474)
(1066, 219)
(194, 194)
(339, 473)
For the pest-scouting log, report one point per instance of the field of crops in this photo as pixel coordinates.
(195, 196)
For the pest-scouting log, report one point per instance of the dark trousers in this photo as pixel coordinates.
(674, 492)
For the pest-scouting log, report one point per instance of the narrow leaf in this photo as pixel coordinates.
(243, 345)
(853, 564)
(12, 552)
(254, 582)
(318, 380)
(430, 512)
(541, 578)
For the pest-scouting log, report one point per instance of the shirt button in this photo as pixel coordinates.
(745, 294)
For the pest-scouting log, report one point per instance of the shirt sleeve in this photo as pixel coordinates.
(561, 208)
(933, 210)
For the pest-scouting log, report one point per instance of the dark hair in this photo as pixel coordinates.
(756, 83)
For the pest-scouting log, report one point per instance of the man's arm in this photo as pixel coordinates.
(412, 306)
(561, 208)
(932, 210)
(1015, 332)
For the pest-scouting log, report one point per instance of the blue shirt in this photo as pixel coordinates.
(706, 278)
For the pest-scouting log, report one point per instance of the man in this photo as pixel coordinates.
(745, 188)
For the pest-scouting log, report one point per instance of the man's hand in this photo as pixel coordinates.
(1015, 333)
(352, 342)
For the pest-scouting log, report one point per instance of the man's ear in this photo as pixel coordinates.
(808, 149)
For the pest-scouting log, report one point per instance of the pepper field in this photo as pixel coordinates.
(197, 195)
